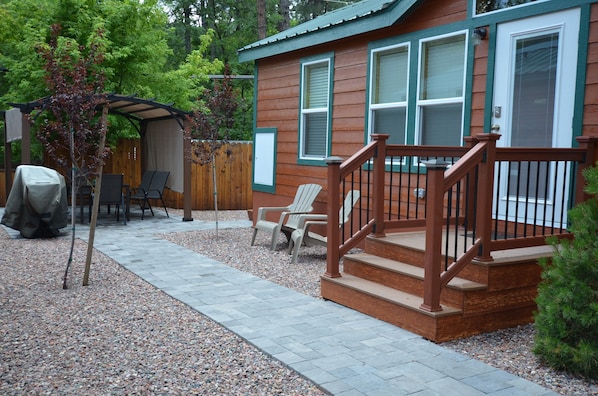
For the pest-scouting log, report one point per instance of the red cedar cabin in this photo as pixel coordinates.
(465, 124)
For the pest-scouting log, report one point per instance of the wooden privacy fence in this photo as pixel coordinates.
(233, 176)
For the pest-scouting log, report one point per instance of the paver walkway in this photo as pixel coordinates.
(343, 351)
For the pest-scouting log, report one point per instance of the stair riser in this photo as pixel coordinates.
(378, 247)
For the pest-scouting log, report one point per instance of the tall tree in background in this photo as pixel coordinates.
(261, 19)
(284, 10)
(310, 9)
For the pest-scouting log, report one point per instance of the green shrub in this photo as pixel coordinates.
(567, 318)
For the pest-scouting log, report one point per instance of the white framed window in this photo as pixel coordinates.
(440, 98)
(389, 92)
(314, 128)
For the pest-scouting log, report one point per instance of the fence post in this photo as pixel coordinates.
(485, 194)
(378, 180)
(332, 209)
(434, 215)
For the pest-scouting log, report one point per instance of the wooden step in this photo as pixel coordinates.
(407, 278)
(389, 267)
(406, 247)
(390, 305)
(403, 310)
(409, 247)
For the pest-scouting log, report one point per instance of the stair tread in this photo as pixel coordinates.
(415, 240)
(388, 293)
(412, 270)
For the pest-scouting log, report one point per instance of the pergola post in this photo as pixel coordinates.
(187, 197)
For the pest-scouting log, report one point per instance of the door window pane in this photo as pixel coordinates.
(534, 91)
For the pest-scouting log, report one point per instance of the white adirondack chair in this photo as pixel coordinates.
(289, 216)
(302, 235)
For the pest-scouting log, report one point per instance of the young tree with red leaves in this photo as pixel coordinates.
(69, 125)
(209, 127)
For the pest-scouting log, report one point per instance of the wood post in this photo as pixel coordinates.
(485, 193)
(378, 181)
(433, 254)
(332, 209)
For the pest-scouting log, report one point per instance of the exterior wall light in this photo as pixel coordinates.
(479, 34)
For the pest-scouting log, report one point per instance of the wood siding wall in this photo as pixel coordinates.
(234, 176)
(278, 88)
(590, 119)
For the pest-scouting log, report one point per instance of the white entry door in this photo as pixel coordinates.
(534, 91)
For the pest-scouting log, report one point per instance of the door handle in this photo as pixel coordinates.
(495, 128)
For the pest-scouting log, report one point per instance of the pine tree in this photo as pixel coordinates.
(567, 317)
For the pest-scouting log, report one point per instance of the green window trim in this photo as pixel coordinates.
(315, 110)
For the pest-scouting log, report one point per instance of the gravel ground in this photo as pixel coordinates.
(120, 335)
(117, 336)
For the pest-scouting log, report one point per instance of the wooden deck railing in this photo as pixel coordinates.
(450, 193)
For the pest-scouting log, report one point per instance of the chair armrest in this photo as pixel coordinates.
(261, 212)
(284, 215)
(310, 217)
(313, 223)
(134, 191)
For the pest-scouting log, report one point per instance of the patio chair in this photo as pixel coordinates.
(303, 236)
(152, 187)
(289, 216)
(111, 193)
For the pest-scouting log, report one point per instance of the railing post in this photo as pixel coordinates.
(485, 194)
(378, 188)
(332, 209)
(434, 215)
(588, 143)
(468, 207)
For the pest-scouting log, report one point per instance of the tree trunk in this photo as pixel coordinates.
(261, 19)
(285, 13)
(96, 202)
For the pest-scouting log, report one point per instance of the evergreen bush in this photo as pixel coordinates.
(567, 317)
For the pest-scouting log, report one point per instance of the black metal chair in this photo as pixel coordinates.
(151, 190)
(111, 193)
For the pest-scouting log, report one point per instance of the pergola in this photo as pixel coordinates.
(159, 125)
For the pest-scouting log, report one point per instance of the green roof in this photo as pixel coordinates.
(356, 18)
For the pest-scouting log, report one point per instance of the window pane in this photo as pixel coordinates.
(391, 122)
(316, 86)
(441, 125)
(534, 91)
(483, 6)
(443, 66)
(390, 78)
(314, 137)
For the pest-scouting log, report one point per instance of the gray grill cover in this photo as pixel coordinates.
(37, 203)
